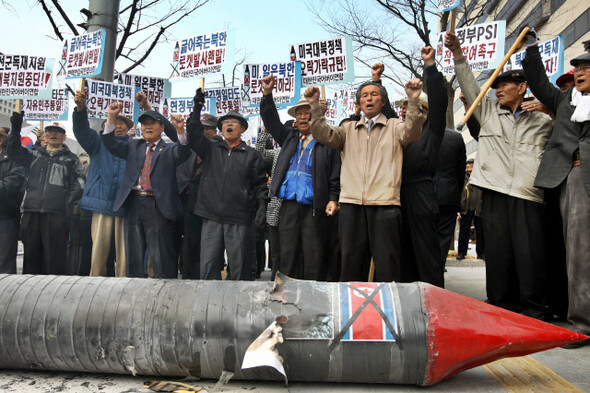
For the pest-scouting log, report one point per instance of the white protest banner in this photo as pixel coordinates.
(154, 88)
(347, 98)
(82, 55)
(226, 98)
(324, 62)
(101, 94)
(447, 5)
(23, 76)
(287, 82)
(202, 55)
(184, 107)
(54, 109)
(332, 114)
(551, 53)
(250, 111)
(482, 45)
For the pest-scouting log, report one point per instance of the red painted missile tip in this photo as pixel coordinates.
(464, 333)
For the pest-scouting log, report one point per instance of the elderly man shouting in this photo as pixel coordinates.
(372, 153)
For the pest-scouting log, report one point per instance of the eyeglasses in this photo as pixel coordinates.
(583, 68)
(230, 121)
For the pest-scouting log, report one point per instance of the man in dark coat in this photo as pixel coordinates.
(448, 183)
(420, 245)
(12, 181)
(148, 191)
(307, 179)
(55, 182)
(564, 166)
(232, 195)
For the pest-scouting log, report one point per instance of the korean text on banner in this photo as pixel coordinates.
(347, 98)
(447, 5)
(551, 53)
(482, 45)
(23, 76)
(154, 88)
(82, 55)
(184, 107)
(226, 99)
(287, 82)
(54, 109)
(101, 94)
(202, 55)
(332, 112)
(324, 62)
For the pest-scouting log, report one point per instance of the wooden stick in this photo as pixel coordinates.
(323, 91)
(41, 124)
(371, 271)
(452, 18)
(202, 84)
(484, 89)
(19, 106)
(82, 85)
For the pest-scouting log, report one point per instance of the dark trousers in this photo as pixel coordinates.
(421, 248)
(191, 248)
(147, 229)
(370, 231)
(516, 268)
(333, 252)
(8, 245)
(303, 241)
(80, 247)
(260, 252)
(447, 219)
(44, 237)
(464, 231)
(274, 249)
(239, 241)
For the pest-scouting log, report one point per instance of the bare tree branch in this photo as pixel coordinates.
(65, 17)
(51, 20)
(147, 53)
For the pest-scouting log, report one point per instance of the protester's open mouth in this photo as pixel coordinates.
(229, 130)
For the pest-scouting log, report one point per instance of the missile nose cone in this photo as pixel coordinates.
(464, 333)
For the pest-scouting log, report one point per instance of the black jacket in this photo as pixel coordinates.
(55, 183)
(420, 158)
(567, 135)
(450, 169)
(325, 163)
(12, 186)
(233, 181)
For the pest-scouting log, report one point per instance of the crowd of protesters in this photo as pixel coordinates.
(374, 198)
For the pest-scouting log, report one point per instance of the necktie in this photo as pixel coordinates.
(369, 124)
(144, 178)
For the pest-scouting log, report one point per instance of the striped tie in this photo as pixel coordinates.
(144, 178)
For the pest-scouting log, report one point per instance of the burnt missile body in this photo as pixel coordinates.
(336, 332)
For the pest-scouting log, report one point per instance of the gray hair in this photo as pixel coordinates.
(382, 90)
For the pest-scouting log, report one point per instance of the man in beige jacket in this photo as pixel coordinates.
(370, 178)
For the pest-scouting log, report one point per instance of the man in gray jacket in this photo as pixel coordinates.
(511, 144)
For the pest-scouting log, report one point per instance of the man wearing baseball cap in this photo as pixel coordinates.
(189, 176)
(511, 144)
(55, 182)
(148, 191)
(232, 195)
(565, 169)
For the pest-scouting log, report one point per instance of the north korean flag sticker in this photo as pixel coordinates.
(367, 312)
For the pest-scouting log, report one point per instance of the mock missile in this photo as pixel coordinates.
(334, 332)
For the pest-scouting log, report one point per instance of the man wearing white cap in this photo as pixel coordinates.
(307, 179)
(55, 182)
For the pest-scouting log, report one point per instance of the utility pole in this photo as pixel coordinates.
(103, 14)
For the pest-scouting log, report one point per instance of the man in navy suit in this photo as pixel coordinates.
(148, 191)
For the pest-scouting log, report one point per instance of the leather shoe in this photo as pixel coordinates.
(460, 257)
